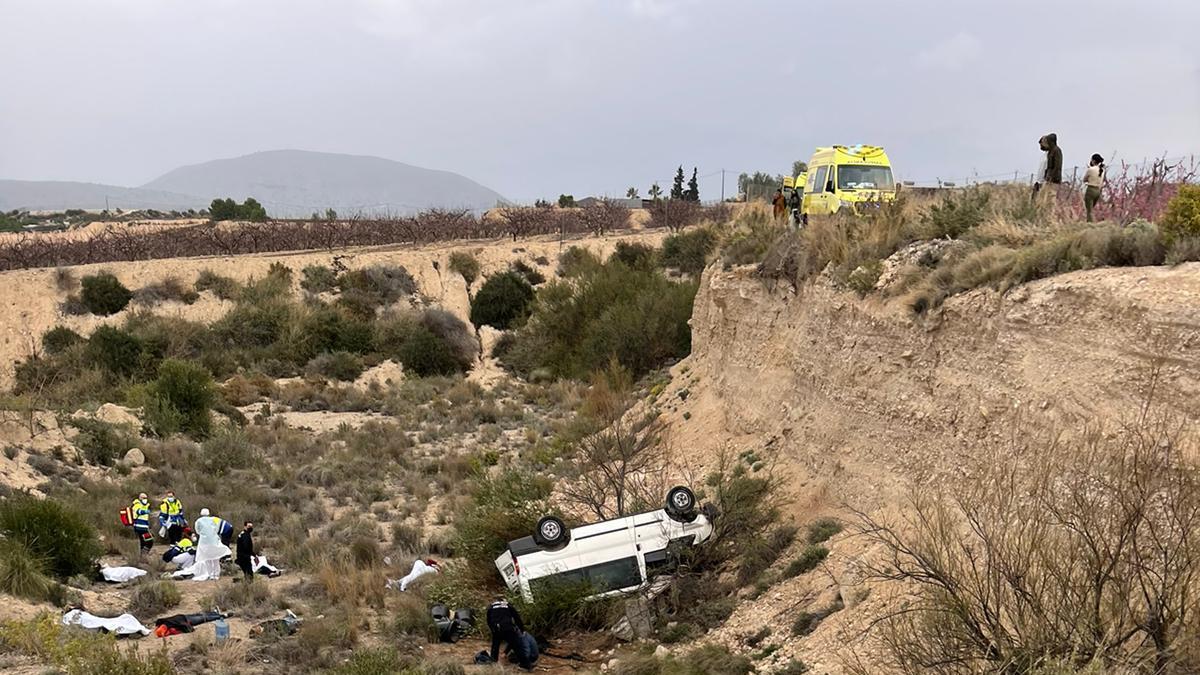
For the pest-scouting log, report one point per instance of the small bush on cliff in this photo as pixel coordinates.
(104, 294)
(1182, 219)
(503, 301)
(465, 265)
(59, 339)
(118, 352)
(689, 251)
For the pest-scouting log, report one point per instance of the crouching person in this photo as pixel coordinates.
(505, 625)
(182, 552)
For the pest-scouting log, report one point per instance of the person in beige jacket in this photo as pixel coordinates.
(1093, 181)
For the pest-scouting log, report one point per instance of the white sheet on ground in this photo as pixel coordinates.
(121, 574)
(184, 560)
(126, 624)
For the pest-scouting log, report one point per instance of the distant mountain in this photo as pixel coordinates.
(34, 195)
(290, 183)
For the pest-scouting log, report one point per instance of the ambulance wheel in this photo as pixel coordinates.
(551, 533)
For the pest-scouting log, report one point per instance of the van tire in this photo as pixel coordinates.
(681, 504)
(551, 533)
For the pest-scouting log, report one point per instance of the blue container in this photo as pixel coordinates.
(222, 631)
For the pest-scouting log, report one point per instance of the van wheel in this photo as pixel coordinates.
(551, 533)
(681, 504)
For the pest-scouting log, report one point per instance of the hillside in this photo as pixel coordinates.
(290, 183)
(860, 403)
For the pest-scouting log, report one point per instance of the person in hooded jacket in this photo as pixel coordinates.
(1054, 159)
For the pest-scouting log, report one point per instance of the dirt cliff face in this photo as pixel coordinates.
(860, 401)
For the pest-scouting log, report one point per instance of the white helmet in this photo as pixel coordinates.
(203, 512)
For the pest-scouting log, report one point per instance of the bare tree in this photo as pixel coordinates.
(621, 460)
(1080, 551)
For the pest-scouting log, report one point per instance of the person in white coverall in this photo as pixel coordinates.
(209, 549)
(420, 568)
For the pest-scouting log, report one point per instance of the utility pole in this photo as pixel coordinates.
(722, 186)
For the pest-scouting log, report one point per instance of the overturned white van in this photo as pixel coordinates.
(614, 556)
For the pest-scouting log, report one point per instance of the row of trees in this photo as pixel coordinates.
(227, 209)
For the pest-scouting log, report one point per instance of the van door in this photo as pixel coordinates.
(814, 194)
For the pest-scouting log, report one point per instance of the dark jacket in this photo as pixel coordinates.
(505, 625)
(1054, 160)
(245, 547)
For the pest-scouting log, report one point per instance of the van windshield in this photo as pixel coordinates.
(860, 177)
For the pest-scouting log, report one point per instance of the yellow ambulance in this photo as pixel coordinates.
(845, 177)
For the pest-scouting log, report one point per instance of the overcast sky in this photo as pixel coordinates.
(537, 97)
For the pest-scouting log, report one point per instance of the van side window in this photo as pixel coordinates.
(608, 576)
(816, 183)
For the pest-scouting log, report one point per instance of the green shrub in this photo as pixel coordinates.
(226, 450)
(503, 301)
(716, 660)
(1182, 217)
(759, 553)
(636, 255)
(382, 284)
(424, 355)
(821, 529)
(681, 631)
(529, 272)
(170, 289)
(454, 333)
(807, 622)
(342, 366)
(187, 389)
(688, 251)
(576, 261)
(21, 574)
(99, 442)
(326, 329)
(504, 507)
(1183, 249)
(562, 607)
(52, 532)
(153, 597)
(864, 277)
(116, 351)
(103, 294)
(466, 265)
(223, 287)
(809, 558)
(638, 317)
(793, 667)
(253, 324)
(318, 279)
(59, 339)
(957, 213)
